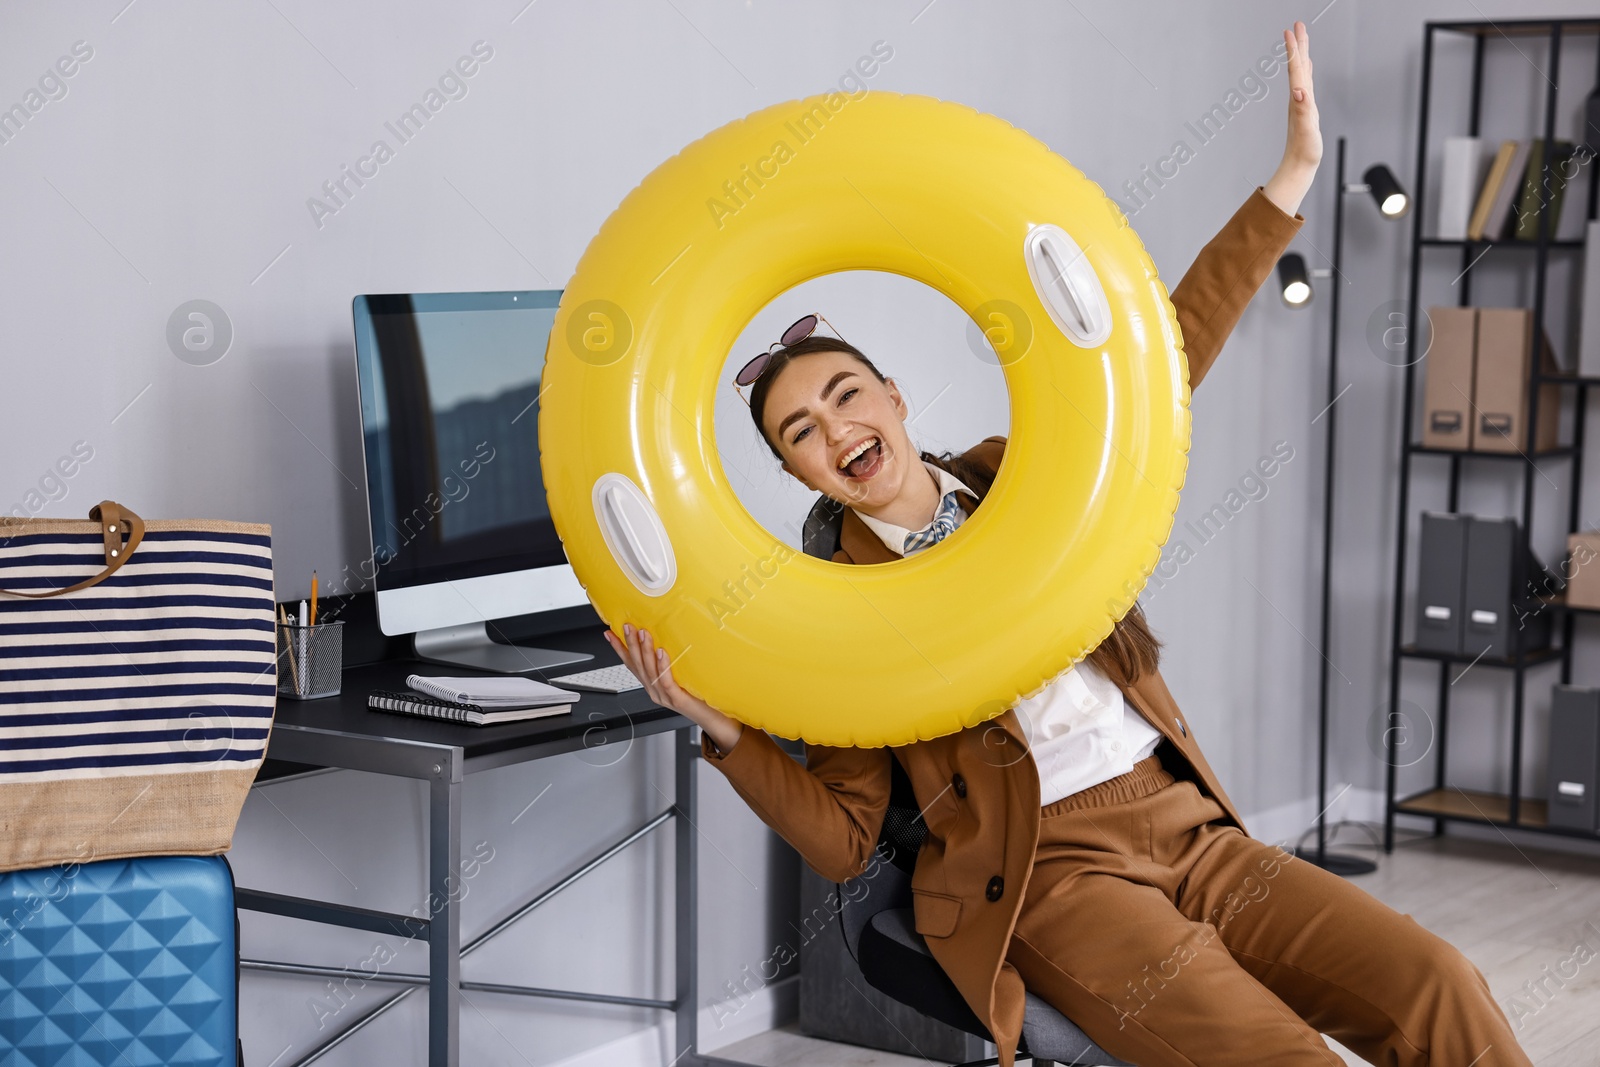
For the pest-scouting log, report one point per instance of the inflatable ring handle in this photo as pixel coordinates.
(634, 533)
(1068, 286)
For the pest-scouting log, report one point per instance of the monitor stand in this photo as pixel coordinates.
(469, 645)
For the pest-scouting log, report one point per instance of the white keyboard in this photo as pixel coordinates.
(618, 679)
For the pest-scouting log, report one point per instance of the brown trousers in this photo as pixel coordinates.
(1173, 940)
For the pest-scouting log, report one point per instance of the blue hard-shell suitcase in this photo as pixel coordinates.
(130, 961)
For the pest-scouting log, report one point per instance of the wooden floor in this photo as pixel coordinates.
(1512, 911)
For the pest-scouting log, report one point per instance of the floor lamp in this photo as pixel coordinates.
(1295, 280)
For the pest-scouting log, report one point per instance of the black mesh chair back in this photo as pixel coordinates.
(820, 534)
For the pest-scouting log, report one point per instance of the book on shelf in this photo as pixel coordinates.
(1517, 183)
(1541, 183)
(1589, 311)
(1458, 181)
(427, 707)
(1494, 199)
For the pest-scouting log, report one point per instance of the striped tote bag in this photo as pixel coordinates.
(138, 678)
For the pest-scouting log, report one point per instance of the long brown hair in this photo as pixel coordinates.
(1127, 653)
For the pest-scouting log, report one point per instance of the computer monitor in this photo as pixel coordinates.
(461, 530)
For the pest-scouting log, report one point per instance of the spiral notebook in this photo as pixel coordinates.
(492, 693)
(432, 708)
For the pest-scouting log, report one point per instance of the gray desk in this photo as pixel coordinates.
(342, 732)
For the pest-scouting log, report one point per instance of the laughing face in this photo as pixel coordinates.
(842, 432)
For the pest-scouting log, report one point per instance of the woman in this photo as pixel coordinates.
(1079, 845)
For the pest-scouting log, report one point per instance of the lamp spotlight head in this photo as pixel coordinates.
(1386, 190)
(1294, 282)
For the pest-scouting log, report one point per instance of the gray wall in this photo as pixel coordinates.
(177, 162)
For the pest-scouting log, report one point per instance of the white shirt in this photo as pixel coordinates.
(1079, 728)
(895, 536)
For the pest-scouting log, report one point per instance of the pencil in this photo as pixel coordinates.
(313, 598)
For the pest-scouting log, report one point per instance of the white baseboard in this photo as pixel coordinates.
(1285, 824)
(766, 1009)
(641, 1047)
(734, 1020)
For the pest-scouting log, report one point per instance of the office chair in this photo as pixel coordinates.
(876, 916)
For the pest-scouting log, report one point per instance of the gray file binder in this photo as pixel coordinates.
(1575, 758)
(1487, 622)
(1440, 572)
(1495, 617)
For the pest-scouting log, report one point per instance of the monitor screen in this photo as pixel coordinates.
(449, 386)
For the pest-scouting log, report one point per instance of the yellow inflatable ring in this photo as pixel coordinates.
(1083, 501)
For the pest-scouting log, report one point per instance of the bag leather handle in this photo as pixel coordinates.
(115, 521)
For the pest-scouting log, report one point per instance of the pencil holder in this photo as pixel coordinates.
(310, 660)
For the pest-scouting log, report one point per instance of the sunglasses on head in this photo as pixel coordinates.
(803, 327)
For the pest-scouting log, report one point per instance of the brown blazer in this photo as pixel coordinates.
(979, 787)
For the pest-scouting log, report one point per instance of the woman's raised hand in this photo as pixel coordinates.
(653, 667)
(1302, 151)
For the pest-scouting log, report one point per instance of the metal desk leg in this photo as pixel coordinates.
(686, 941)
(444, 930)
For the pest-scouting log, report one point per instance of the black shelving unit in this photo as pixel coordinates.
(1442, 803)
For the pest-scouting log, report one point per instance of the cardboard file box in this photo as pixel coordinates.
(1448, 378)
(1583, 570)
(1574, 765)
(1501, 381)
